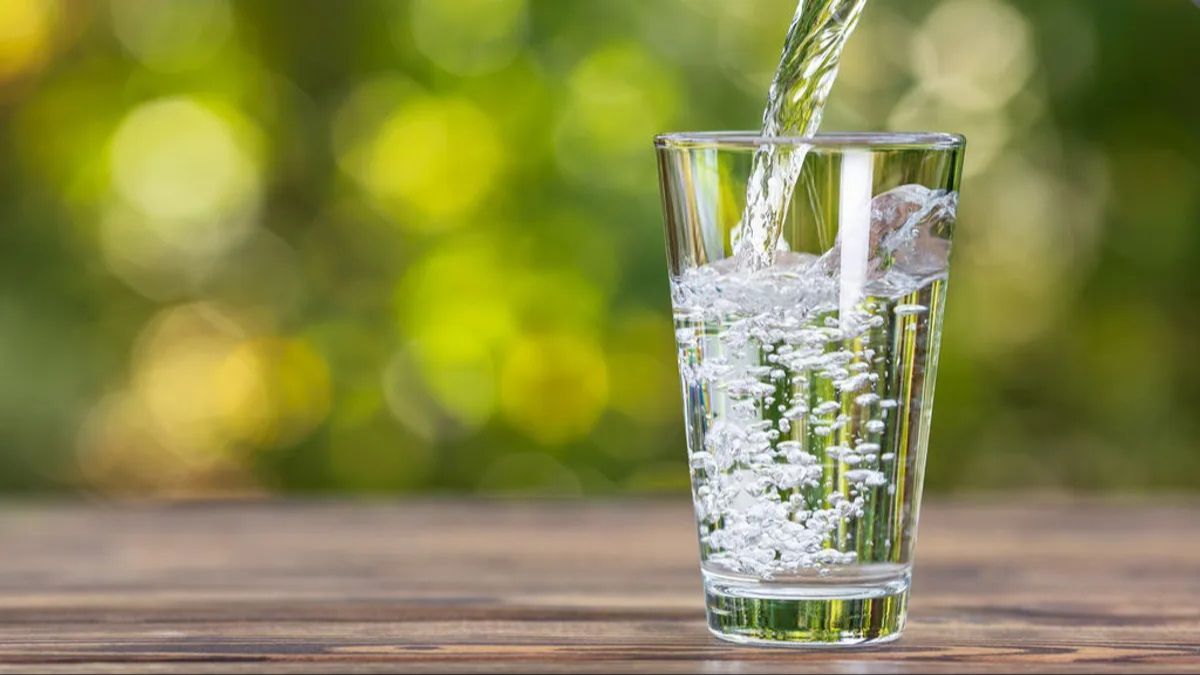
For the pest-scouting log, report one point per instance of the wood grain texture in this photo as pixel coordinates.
(552, 587)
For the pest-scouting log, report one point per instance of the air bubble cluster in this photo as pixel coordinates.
(798, 409)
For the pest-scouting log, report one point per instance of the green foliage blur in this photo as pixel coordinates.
(287, 245)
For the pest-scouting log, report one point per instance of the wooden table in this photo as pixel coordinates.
(551, 586)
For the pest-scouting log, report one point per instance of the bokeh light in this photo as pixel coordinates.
(172, 36)
(176, 375)
(430, 162)
(178, 162)
(454, 307)
(359, 116)
(469, 37)
(619, 96)
(121, 451)
(273, 391)
(554, 387)
(207, 390)
(418, 245)
(186, 188)
(26, 35)
(168, 421)
(974, 54)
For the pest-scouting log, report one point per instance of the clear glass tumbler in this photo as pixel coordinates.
(808, 381)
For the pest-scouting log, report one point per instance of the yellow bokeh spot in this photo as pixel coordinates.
(183, 165)
(433, 159)
(975, 54)
(121, 450)
(453, 305)
(185, 190)
(554, 387)
(458, 291)
(211, 387)
(469, 37)
(464, 304)
(368, 105)
(461, 377)
(272, 391)
(26, 28)
(620, 96)
(174, 376)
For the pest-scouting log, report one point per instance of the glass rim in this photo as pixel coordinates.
(873, 140)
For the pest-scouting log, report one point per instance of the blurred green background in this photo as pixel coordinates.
(395, 246)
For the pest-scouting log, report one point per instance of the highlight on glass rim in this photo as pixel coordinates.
(340, 333)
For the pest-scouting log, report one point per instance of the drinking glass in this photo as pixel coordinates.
(808, 379)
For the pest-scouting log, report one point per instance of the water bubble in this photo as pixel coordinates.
(868, 477)
(854, 383)
(909, 310)
(796, 412)
(827, 407)
(866, 399)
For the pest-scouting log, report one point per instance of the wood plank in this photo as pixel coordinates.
(451, 586)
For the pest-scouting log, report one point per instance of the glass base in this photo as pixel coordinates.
(835, 614)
